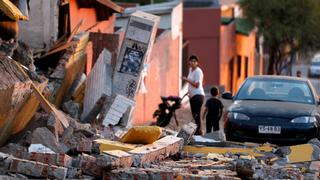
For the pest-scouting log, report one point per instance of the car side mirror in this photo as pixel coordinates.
(227, 95)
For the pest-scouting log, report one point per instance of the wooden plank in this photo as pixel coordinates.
(58, 49)
(75, 30)
(27, 111)
(10, 10)
(14, 89)
(60, 45)
(45, 104)
(111, 5)
(78, 94)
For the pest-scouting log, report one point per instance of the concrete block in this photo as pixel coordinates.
(315, 166)
(157, 151)
(112, 113)
(99, 82)
(46, 137)
(187, 131)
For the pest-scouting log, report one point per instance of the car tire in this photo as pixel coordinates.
(229, 137)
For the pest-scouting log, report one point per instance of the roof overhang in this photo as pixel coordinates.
(111, 5)
(106, 3)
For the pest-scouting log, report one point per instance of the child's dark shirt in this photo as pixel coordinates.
(214, 106)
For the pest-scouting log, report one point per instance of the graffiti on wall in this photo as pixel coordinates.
(131, 88)
(132, 60)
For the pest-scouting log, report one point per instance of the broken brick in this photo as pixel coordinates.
(114, 159)
(52, 159)
(55, 126)
(156, 151)
(85, 145)
(89, 166)
(37, 169)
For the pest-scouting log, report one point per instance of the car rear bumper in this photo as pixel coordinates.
(290, 133)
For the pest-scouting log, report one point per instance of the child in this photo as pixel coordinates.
(213, 111)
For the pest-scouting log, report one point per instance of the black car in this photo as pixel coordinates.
(275, 109)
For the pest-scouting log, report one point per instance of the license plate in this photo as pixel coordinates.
(269, 129)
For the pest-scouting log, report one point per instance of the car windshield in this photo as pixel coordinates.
(276, 90)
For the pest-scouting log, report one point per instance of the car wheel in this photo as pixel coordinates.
(229, 136)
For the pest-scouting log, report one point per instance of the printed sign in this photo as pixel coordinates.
(131, 62)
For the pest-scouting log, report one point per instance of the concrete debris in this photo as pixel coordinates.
(156, 151)
(71, 108)
(39, 148)
(7, 48)
(187, 132)
(115, 109)
(46, 137)
(115, 159)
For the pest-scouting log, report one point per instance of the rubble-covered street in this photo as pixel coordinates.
(68, 106)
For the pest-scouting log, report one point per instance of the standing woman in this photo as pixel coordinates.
(196, 92)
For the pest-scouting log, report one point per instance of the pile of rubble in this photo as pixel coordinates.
(84, 151)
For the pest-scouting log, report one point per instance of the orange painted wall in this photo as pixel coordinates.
(245, 46)
(227, 53)
(89, 19)
(227, 12)
(90, 23)
(162, 79)
(201, 27)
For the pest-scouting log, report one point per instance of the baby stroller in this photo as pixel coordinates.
(167, 109)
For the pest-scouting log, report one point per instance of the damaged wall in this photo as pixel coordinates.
(90, 20)
(42, 28)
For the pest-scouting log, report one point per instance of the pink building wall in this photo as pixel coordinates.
(201, 27)
(162, 79)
